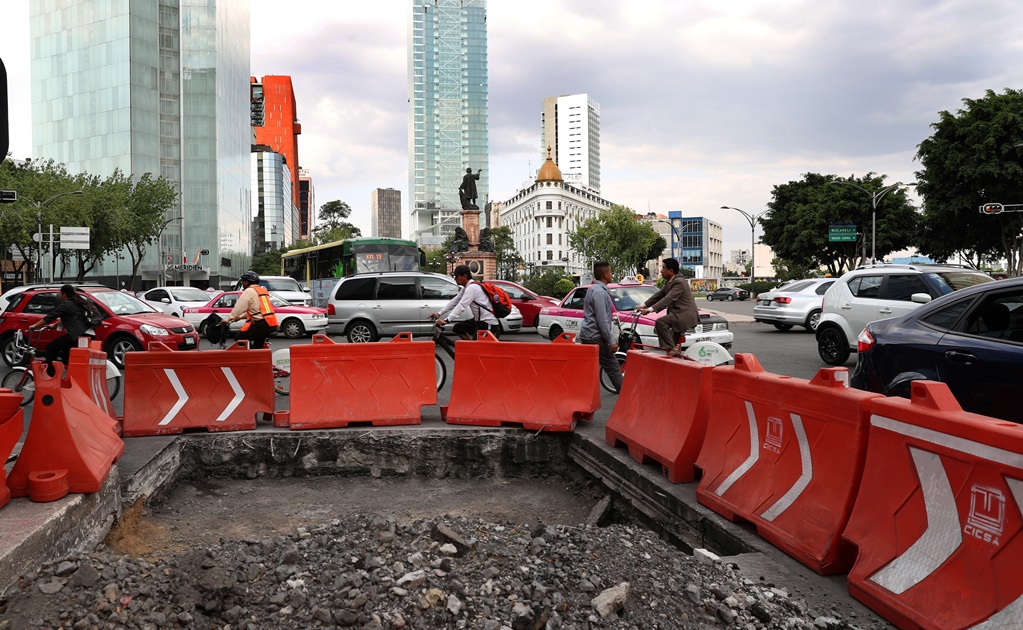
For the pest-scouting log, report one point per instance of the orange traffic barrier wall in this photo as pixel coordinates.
(12, 422)
(787, 455)
(87, 366)
(218, 390)
(543, 387)
(386, 383)
(71, 443)
(662, 411)
(938, 517)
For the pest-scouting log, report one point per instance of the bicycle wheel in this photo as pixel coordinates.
(113, 380)
(605, 380)
(441, 369)
(20, 381)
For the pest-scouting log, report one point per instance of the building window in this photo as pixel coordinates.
(550, 205)
(550, 239)
(550, 254)
(550, 222)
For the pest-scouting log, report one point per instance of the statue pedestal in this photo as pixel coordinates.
(483, 265)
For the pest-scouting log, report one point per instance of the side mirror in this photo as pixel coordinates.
(527, 298)
(920, 298)
(307, 289)
(165, 300)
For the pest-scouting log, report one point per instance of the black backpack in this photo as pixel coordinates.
(90, 313)
(213, 330)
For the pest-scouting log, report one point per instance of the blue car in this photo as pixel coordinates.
(971, 340)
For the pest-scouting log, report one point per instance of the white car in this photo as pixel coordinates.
(568, 317)
(285, 287)
(173, 300)
(292, 321)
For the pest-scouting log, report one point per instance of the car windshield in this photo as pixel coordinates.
(949, 281)
(795, 287)
(121, 303)
(190, 294)
(628, 298)
(282, 284)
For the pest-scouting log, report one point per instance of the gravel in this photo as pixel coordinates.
(371, 572)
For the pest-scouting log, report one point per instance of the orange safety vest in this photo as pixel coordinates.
(266, 309)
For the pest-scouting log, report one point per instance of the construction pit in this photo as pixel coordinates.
(413, 527)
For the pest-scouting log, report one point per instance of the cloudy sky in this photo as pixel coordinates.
(704, 103)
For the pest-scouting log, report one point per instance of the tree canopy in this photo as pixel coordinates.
(971, 159)
(333, 224)
(801, 213)
(617, 236)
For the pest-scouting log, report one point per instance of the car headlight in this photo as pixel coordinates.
(155, 331)
(721, 326)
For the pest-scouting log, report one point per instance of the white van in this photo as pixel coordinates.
(285, 287)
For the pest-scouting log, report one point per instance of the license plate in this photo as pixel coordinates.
(765, 302)
(189, 341)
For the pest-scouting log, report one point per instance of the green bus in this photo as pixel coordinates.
(351, 256)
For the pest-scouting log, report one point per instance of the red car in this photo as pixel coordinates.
(529, 304)
(129, 324)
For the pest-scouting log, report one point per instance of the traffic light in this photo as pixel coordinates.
(991, 208)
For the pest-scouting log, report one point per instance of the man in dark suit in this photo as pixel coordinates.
(678, 299)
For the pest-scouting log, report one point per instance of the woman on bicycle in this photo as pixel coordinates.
(72, 313)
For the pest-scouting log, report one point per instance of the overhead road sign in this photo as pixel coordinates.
(8, 196)
(842, 233)
(74, 237)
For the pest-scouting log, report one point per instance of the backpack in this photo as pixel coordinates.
(214, 331)
(90, 313)
(502, 306)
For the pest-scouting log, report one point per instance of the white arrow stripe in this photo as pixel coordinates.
(969, 447)
(239, 395)
(180, 391)
(942, 536)
(1012, 615)
(804, 479)
(754, 452)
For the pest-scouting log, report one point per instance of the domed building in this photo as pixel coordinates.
(542, 216)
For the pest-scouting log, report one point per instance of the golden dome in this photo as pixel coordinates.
(549, 172)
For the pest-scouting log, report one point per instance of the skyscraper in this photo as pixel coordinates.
(274, 116)
(570, 126)
(385, 212)
(306, 203)
(159, 87)
(448, 111)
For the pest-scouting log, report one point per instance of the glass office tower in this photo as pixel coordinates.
(155, 87)
(448, 111)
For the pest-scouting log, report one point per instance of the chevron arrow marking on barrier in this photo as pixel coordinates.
(805, 477)
(180, 391)
(1012, 615)
(754, 452)
(239, 395)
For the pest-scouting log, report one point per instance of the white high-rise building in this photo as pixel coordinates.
(570, 126)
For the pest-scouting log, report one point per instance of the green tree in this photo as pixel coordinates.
(436, 260)
(508, 258)
(148, 202)
(801, 212)
(545, 282)
(617, 236)
(268, 263)
(333, 223)
(971, 159)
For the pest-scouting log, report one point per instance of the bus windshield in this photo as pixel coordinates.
(372, 257)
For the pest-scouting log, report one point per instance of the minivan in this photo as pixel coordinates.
(365, 307)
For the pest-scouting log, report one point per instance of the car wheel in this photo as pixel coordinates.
(292, 328)
(832, 346)
(710, 298)
(361, 331)
(783, 327)
(731, 298)
(121, 346)
(201, 329)
(12, 356)
(554, 333)
(813, 320)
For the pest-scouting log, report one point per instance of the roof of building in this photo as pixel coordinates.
(549, 172)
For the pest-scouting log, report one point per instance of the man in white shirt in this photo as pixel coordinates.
(471, 296)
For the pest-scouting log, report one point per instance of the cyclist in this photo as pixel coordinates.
(254, 305)
(678, 299)
(72, 312)
(471, 296)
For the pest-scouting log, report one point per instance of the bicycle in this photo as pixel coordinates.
(21, 380)
(443, 343)
(280, 363)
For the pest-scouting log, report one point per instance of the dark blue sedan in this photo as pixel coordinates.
(971, 340)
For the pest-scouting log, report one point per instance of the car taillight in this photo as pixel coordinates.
(783, 300)
(865, 341)
(330, 309)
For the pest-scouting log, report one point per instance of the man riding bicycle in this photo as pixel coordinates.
(72, 311)
(471, 296)
(254, 305)
(678, 299)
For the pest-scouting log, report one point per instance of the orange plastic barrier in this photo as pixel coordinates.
(543, 387)
(662, 411)
(787, 455)
(938, 517)
(87, 366)
(70, 445)
(217, 390)
(333, 385)
(12, 422)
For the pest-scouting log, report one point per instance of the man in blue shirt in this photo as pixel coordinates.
(596, 329)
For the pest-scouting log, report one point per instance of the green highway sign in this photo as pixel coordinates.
(842, 233)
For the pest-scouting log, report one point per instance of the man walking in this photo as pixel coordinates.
(471, 296)
(596, 329)
(678, 299)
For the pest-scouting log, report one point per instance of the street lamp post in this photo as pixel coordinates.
(753, 220)
(39, 221)
(674, 230)
(875, 197)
